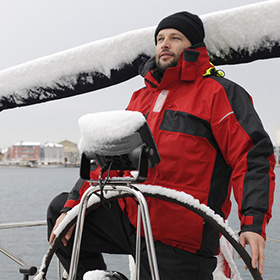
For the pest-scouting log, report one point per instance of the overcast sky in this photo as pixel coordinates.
(34, 28)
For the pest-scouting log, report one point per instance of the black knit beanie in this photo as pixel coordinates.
(189, 24)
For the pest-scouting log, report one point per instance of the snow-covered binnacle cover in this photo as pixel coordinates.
(96, 275)
(99, 129)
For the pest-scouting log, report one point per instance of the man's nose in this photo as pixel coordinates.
(165, 44)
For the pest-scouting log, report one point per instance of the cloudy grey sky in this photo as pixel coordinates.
(34, 28)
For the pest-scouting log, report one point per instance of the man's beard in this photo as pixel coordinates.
(162, 67)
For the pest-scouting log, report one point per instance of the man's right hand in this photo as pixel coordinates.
(67, 235)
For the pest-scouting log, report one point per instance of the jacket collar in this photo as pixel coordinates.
(193, 62)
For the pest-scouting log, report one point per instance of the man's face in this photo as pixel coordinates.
(170, 44)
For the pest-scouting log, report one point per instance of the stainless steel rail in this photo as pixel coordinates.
(12, 256)
(25, 269)
(23, 224)
(143, 209)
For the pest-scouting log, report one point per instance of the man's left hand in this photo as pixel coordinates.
(257, 245)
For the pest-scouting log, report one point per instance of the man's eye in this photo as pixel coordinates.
(160, 39)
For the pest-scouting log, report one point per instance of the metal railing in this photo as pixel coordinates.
(28, 270)
(25, 268)
(143, 213)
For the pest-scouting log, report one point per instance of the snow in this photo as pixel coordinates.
(100, 56)
(227, 254)
(249, 27)
(53, 145)
(132, 267)
(39, 275)
(99, 129)
(96, 275)
(25, 143)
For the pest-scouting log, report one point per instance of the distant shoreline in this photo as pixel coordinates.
(40, 166)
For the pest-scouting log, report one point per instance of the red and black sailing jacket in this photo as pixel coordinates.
(210, 140)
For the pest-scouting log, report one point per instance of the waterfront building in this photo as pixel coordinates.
(24, 153)
(52, 153)
(71, 153)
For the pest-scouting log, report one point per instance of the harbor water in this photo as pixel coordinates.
(25, 195)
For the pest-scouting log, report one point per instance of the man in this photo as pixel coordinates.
(210, 140)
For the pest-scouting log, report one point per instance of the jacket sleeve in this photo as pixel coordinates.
(81, 186)
(248, 150)
(75, 194)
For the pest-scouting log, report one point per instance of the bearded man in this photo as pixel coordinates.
(210, 140)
